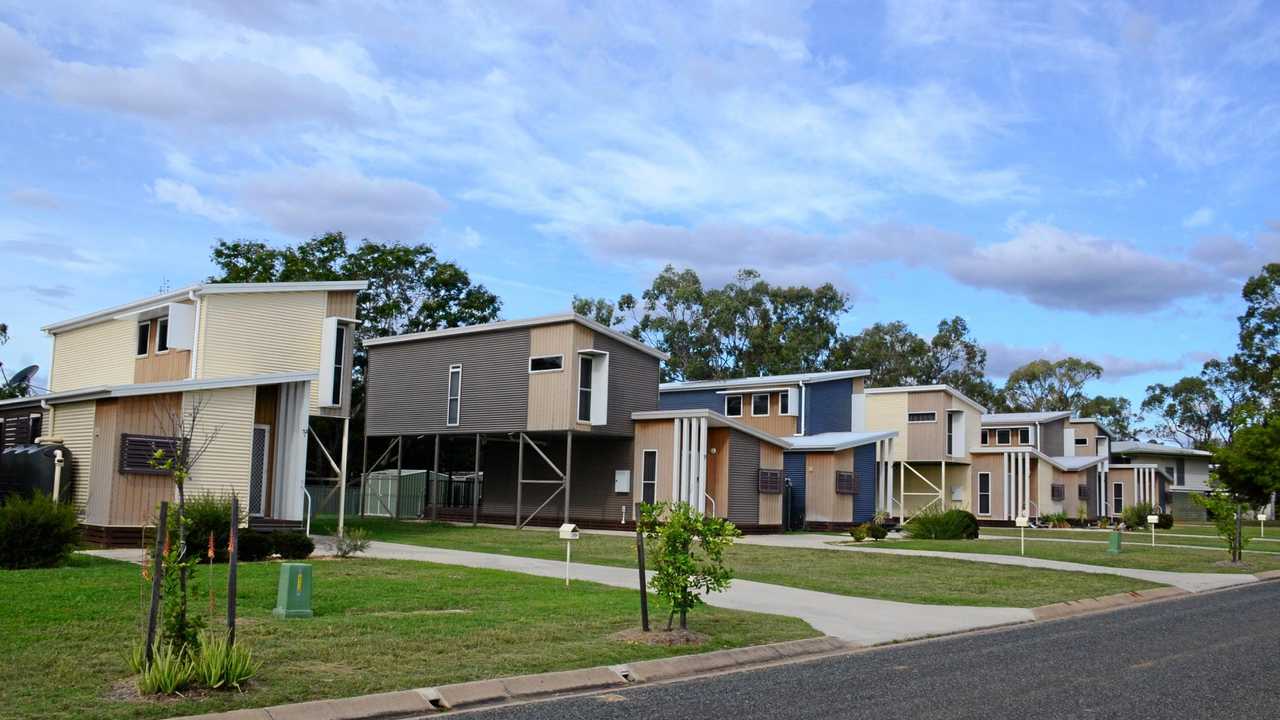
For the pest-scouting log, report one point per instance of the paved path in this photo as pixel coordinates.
(1160, 660)
(1129, 541)
(860, 620)
(1191, 582)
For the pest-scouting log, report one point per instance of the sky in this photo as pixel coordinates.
(1072, 178)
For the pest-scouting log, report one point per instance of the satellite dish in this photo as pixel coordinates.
(22, 378)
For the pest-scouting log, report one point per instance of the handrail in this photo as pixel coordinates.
(713, 504)
(306, 513)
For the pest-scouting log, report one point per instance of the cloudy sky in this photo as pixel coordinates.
(1071, 178)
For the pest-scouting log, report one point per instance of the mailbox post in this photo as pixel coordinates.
(568, 533)
(1022, 521)
(1152, 520)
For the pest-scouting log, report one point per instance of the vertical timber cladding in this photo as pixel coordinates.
(653, 435)
(135, 496)
(928, 439)
(770, 457)
(719, 470)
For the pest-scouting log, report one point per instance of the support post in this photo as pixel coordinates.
(233, 557)
(342, 481)
(395, 513)
(475, 486)
(644, 589)
(902, 490)
(568, 465)
(364, 468)
(157, 570)
(435, 480)
(519, 477)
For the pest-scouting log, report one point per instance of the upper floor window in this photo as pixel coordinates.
(760, 404)
(144, 338)
(784, 403)
(339, 354)
(984, 439)
(546, 363)
(454, 411)
(1082, 441)
(733, 405)
(951, 433)
(585, 363)
(1002, 437)
(922, 417)
(1024, 436)
(162, 335)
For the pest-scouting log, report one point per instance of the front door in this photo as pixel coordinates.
(258, 458)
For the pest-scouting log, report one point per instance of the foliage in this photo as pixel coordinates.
(1249, 466)
(36, 532)
(601, 310)
(858, 532)
(933, 524)
(1257, 362)
(689, 557)
(292, 545)
(876, 531)
(1224, 509)
(1135, 516)
(1082, 513)
(353, 541)
(253, 545)
(1056, 520)
(1043, 385)
(1115, 413)
(1165, 522)
(1201, 411)
(137, 657)
(881, 518)
(171, 671)
(208, 513)
(219, 665)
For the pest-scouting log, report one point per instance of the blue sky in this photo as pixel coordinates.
(1072, 178)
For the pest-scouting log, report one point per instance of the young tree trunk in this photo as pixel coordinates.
(684, 619)
(182, 553)
(1237, 551)
(670, 618)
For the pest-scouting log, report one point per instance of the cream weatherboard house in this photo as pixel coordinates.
(257, 360)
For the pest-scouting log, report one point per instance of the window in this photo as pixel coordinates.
(922, 417)
(1082, 441)
(951, 431)
(1082, 492)
(35, 426)
(1117, 495)
(984, 438)
(455, 396)
(733, 405)
(1057, 493)
(162, 335)
(770, 482)
(546, 363)
(784, 403)
(1024, 436)
(984, 493)
(584, 387)
(846, 483)
(760, 404)
(144, 338)
(649, 480)
(339, 354)
(137, 453)
(1002, 437)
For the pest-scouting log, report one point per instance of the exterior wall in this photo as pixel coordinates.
(1051, 437)
(928, 440)
(227, 415)
(822, 503)
(691, 400)
(1014, 436)
(341, 303)
(161, 366)
(1090, 432)
(1195, 470)
(253, 333)
(98, 354)
(864, 466)
(746, 504)
(133, 498)
(887, 411)
(653, 435)
(718, 471)
(829, 407)
(774, 423)
(408, 384)
(958, 478)
(771, 505)
(633, 383)
(989, 463)
(552, 395)
(73, 422)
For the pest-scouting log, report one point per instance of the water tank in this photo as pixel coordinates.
(27, 468)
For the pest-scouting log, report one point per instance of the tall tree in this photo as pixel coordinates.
(1115, 413)
(602, 311)
(958, 360)
(1257, 362)
(1043, 385)
(891, 351)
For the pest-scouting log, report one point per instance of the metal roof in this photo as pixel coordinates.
(1024, 417)
(1062, 462)
(113, 391)
(750, 382)
(1133, 447)
(835, 441)
(714, 419)
(511, 324)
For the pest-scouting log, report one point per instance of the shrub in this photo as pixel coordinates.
(292, 545)
(1165, 522)
(206, 513)
(858, 533)
(1056, 520)
(171, 671)
(219, 665)
(36, 532)
(254, 545)
(954, 524)
(876, 531)
(1135, 516)
(354, 540)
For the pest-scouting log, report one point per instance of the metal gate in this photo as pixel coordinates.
(258, 469)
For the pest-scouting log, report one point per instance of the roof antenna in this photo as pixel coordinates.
(165, 287)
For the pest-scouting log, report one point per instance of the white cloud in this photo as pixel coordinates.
(1235, 258)
(1199, 218)
(186, 198)
(20, 60)
(309, 201)
(1003, 359)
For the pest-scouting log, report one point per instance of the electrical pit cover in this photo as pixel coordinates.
(569, 531)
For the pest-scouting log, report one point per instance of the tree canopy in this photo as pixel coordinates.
(1043, 385)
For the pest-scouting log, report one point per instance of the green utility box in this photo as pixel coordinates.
(293, 595)
(1113, 546)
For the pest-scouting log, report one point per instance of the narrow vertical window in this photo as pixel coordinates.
(455, 395)
(162, 335)
(649, 477)
(144, 337)
(1117, 499)
(951, 432)
(984, 493)
(984, 438)
(584, 388)
(339, 354)
(784, 403)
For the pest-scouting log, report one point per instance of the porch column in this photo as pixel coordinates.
(395, 513)
(342, 481)
(433, 482)
(519, 476)
(475, 486)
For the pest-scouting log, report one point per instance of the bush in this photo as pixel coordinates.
(876, 531)
(858, 533)
(352, 541)
(1165, 522)
(954, 524)
(171, 671)
(206, 513)
(36, 532)
(1056, 520)
(1135, 516)
(689, 554)
(254, 545)
(292, 545)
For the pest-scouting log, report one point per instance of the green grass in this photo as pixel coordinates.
(1134, 554)
(1140, 536)
(887, 577)
(380, 625)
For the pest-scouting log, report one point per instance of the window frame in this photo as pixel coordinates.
(1057, 492)
(766, 404)
(162, 335)
(983, 438)
(588, 361)
(560, 356)
(644, 479)
(1117, 501)
(984, 495)
(1008, 436)
(143, 339)
(340, 365)
(726, 406)
(1024, 436)
(950, 430)
(933, 417)
(450, 398)
(784, 403)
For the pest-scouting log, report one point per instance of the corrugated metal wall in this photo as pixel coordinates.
(829, 406)
(633, 383)
(793, 465)
(744, 467)
(73, 423)
(692, 400)
(864, 466)
(224, 467)
(99, 354)
(250, 333)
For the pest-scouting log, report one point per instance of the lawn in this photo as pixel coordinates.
(1134, 554)
(886, 577)
(380, 625)
(1253, 543)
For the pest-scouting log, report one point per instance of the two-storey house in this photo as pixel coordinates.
(1186, 471)
(252, 362)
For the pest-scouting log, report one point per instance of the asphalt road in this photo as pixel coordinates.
(1207, 656)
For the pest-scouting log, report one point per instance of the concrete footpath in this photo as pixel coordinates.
(1191, 582)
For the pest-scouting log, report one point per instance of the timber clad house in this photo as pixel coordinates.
(258, 361)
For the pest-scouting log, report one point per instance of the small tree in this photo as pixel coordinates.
(689, 561)
(1224, 510)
